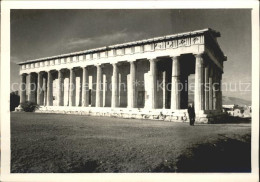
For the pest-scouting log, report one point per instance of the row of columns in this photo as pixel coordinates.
(208, 94)
(72, 90)
(205, 74)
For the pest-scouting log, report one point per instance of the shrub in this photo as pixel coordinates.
(14, 100)
(29, 106)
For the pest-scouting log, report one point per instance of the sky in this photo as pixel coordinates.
(43, 33)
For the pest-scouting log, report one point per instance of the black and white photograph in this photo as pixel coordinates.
(115, 90)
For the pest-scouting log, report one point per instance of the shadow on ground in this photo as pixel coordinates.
(226, 155)
(233, 120)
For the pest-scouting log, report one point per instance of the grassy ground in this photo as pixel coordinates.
(74, 143)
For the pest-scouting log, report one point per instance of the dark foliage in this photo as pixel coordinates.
(14, 100)
(29, 106)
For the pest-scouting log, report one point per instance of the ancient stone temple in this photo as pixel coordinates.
(141, 79)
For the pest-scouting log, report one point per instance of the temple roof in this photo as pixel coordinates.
(128, 44)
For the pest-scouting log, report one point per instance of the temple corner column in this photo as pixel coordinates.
(32, 88)
(199, 85)
(175, 91)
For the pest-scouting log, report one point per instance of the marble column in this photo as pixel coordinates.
(22, 88)
(165, 92)
(61, 88)
(40, 89)
(220, 91)
(104, 90)
(132, 100)
(210, 88)
(29, 87)
(45, 88)
(175, 92)
(72, 88)
(50, 89)
(199, 85)
(79, 90)
(85, 87)
(153, 74)
(217, 90)
(98, 87)
(214, 80)
(32, 88)
(114, 101)
(206, 87)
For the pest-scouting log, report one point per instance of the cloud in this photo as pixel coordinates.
(104, 40)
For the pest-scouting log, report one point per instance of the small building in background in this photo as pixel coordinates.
(236, 110)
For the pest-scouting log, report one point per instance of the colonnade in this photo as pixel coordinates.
(207, 94)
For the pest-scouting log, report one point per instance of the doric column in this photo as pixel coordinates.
(40, 89)
(79, 100)
(61, 88)
(98, 87)
(50, 89)
(72, 88)
(114, 101)
(104, 90)
(220, 91)
(85, 87)
(165, 92)
(210, 87)
(206, 87)
(45, 89)
(132, 100)
(199, 86)
(32, 88)
(175, 92)
(153, 74)
(215, 88)
(22, 88)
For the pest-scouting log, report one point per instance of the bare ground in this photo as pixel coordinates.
(72, 143)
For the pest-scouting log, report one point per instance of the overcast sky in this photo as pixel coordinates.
(44, 33)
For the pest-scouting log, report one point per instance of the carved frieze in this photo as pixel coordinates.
(159, 45)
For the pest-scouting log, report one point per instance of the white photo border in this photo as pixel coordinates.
(6, 6)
